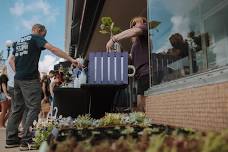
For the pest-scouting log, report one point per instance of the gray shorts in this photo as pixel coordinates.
(2, 97)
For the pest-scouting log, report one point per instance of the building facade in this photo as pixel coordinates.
(189, 56)
(188, 51)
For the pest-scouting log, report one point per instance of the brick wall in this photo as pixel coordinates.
(202, 108)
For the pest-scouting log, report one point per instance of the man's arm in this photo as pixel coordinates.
(11, 61)
(58, 52)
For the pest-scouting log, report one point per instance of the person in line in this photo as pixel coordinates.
(45, 103)
(51, 77)
(27, 88)
(11, 74)
(138, 32)
(45, 88)
(4, 98)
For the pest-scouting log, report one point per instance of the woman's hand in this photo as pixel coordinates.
(109, 45)
(8, 97)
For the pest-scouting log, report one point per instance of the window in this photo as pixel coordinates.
(186, 37)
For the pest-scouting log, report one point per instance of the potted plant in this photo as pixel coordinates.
(108, 27)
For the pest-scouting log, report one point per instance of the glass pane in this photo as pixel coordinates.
(187, 37)
(175, 29)
(215, 20)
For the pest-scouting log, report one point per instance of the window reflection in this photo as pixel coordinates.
(190, 38)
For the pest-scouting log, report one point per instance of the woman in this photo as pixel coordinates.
(45, 88)
(4, 98)
(138, 33)
(45, 103)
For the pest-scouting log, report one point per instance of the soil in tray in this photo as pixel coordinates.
(113, 133)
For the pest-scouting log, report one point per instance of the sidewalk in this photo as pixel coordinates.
(2, 143)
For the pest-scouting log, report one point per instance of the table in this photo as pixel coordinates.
(101, 97)
(93, 99)
(71, 101)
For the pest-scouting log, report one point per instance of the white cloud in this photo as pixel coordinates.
(180, 25)
(18, 8)
(28, 23)
(47, 63)
(39, 10)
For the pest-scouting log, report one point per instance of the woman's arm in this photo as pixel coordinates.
(4, 88)
(133, 32)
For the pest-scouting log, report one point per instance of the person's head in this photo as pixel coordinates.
(39, 29)
(51, 74)
(61, 69)
(137, 21)
(44, 77)
(176, 40)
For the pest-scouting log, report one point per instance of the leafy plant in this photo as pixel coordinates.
(42, 134)
(108, 26)
(83, 121)
(111, 119)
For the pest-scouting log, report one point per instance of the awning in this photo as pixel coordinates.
(85, 17)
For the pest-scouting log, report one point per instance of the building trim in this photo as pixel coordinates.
(212, 76)
(68, 23)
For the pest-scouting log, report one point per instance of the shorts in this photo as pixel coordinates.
(143, 84)
(2, 97)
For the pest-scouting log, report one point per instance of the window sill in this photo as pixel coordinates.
(218, 75)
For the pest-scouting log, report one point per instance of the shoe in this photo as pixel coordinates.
(27, 146)
(12, 145)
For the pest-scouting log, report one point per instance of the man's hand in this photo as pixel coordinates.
(76, 63)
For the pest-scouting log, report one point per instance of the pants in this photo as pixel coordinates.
(11, 93)
(27, 94)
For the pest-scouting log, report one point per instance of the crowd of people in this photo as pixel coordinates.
(5, 98)
(48, 82)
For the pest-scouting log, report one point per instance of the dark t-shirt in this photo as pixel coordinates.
(140, 54)
(3, 79)
(27, 54)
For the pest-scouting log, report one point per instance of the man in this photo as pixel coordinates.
(139, 53)
(27, 88)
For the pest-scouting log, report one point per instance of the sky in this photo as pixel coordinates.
(18, 16)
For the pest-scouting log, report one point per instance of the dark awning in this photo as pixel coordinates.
(76, 20)
(85, 17)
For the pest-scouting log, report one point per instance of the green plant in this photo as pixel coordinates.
(42, 134)
(111, 119)
(108, 26)
(84, 121)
